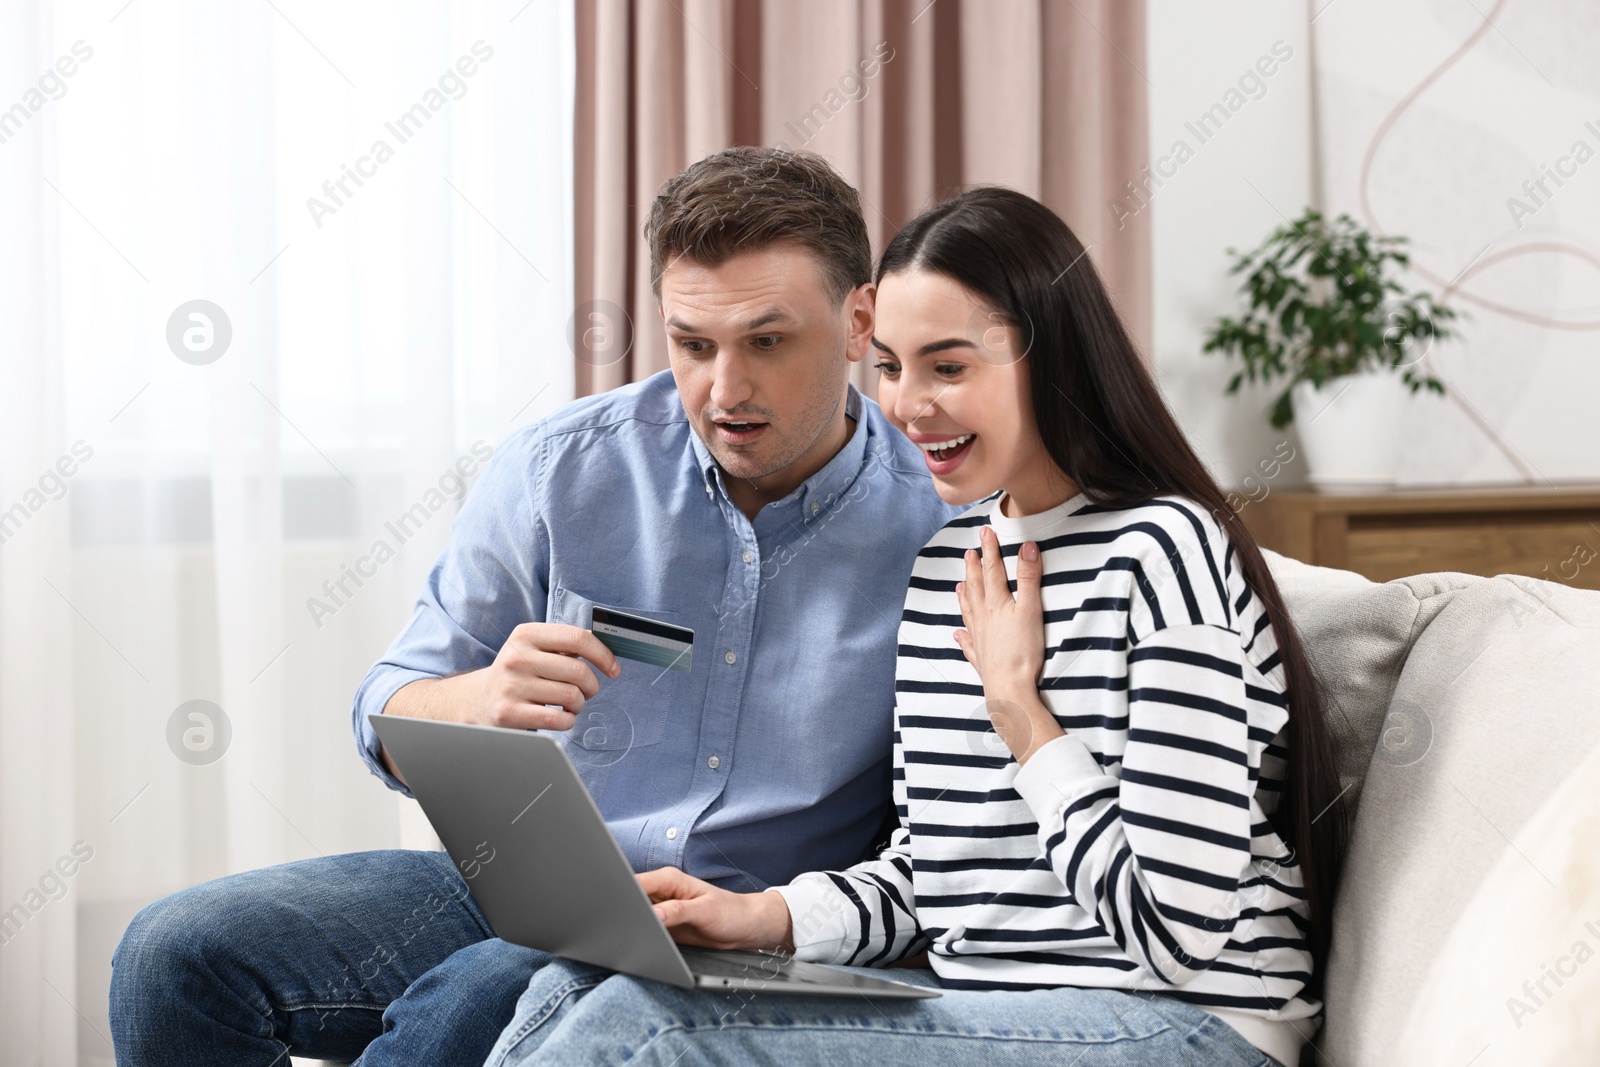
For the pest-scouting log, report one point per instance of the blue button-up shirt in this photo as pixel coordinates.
(771, 756)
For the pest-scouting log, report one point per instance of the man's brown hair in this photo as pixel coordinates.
(744, 199)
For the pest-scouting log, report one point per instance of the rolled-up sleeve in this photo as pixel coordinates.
(491, 577)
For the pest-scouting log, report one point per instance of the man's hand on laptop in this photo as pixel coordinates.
(698, 913)
(539, 681)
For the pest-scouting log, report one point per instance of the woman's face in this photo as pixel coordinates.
(954, 373)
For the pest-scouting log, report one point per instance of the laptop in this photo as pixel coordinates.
(540, 861)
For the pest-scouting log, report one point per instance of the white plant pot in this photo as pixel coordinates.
(1350, 429)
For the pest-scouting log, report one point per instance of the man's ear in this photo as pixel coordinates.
(861, 305)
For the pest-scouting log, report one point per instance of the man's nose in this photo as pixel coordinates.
(730, 381)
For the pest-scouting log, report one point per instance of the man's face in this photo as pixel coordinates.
(761, 355)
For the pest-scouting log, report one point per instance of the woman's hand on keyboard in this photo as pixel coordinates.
(698, 913)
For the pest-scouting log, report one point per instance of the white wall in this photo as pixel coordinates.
(1521, 97)
(1518, 101)
(1240, 182)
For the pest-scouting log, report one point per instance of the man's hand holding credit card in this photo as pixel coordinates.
(545, 672)
(635, 637)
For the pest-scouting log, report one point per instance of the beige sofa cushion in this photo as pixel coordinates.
(1503, 691)
(1516, 982)
(1357, 634)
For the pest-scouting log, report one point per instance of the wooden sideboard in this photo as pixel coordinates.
(1548, 532)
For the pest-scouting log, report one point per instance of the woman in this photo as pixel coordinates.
(1119, 817)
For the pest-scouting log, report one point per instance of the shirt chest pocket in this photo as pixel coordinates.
(630, 710)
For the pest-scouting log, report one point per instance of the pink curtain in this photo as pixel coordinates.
(909, 100)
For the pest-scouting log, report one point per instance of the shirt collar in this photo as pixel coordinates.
(816, 493)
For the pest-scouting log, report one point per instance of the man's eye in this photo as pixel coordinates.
(692, 346)
(767, 342)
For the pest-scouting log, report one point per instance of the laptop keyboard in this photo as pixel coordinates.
(758, 970)
(732, 964)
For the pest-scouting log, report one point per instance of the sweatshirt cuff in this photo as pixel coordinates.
(1055, 774)
(816, 911)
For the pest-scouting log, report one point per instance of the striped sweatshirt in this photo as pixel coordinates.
(1133, 853)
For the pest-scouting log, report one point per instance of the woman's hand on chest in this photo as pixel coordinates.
(1003, 639)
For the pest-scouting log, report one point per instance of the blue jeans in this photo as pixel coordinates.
(575, 1014)
(378, 955)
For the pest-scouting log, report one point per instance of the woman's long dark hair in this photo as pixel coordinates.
(1106, 426)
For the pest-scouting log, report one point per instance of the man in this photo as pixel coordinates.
(751, 494)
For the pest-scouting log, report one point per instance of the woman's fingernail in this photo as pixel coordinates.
(1030, 551)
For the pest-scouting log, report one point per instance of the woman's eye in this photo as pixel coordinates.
(949, 370)
(888, 370)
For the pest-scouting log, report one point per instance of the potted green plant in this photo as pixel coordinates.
(1325, 313)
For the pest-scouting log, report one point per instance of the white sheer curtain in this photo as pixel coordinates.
(374, 200)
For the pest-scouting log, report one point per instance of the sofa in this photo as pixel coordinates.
(1466, 711)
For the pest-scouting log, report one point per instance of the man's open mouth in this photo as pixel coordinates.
(739, 432)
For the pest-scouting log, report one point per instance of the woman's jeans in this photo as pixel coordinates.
(377, 955)
(575, 1014)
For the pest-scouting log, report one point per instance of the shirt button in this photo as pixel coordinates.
(747, 555)
(815, 507)
(713, 762)
(672, 833)
(730, 657)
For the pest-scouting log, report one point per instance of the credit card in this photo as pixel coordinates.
(646, 640)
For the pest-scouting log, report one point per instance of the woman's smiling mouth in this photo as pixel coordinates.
(944, 452)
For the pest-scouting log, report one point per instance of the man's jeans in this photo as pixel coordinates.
(384, 952)
(577, 1015)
